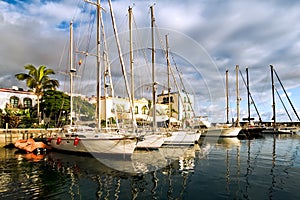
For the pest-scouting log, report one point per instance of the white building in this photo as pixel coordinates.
(16, 98)
(121, 107)
(181, 104)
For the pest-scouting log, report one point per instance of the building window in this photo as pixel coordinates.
(184, 99)
(136, 110)
(144, 110)
(165, 100)
(27, 103)
(14, 101)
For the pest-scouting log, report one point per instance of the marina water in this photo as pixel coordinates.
(216, 168)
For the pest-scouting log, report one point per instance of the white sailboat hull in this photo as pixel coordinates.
(118, 145)
(222, 132)
(67, 144)
(153, 141)
(111, 144)
(182, 138)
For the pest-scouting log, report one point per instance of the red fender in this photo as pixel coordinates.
(58, 141)
(76, 140)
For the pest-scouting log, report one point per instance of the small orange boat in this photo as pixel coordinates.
(30, 145)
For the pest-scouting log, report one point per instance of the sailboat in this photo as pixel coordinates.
(277, 129)
(146, 140)
(226, 130)
(251, 129)
(90, 140)
(223, 131)
(171, 137)
(153, 139)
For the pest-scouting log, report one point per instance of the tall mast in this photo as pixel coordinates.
(98, 68)
(237, 97)
(227, 99)
(121, 60)
(169, 87)
(273, 97)
(131, 62)
(153, 69)
(252, 100)
(248, 94)
(98, 95)
(107, 73)
(72, 70)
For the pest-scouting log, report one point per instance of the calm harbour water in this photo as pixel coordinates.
(225, 168)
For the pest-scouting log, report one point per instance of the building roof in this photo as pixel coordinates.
(8, 90)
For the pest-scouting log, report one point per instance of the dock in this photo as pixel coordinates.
(10, 136)
(258, 128)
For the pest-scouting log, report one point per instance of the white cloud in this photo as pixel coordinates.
(206, 37)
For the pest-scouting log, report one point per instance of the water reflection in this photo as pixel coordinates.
(167, 163)
(224, 168)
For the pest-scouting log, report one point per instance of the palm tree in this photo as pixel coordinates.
(39, 81)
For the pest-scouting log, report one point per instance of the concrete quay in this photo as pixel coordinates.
(10, 136)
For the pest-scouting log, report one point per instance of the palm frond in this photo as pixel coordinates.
(32, 70)
(22, 76)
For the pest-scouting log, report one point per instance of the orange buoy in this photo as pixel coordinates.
(58, 141)
(76, 141)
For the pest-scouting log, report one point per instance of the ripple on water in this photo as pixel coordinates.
(255, 169)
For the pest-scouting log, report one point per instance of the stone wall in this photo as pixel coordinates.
(8, 136)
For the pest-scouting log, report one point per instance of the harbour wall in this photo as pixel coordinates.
(8, 136)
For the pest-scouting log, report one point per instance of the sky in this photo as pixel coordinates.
(205, 39)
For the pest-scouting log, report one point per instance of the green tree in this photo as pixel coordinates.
(38, 79)
(86, 109)
(56, 107)
(12, 117)
(1, 118)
